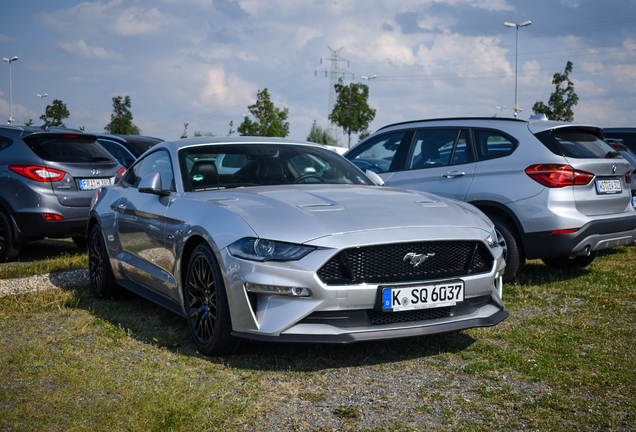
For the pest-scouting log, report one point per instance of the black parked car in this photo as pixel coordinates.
(627, 134)
(126, 148)
(48, 177)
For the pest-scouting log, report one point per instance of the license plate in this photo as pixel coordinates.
(396, 299)
(88, 184)
(608, 186)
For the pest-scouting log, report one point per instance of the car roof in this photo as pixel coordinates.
(535, 125)
(192, 142)
(43, 128)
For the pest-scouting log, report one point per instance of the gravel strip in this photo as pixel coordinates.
(50, 281)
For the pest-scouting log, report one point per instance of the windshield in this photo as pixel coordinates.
(243, 165)
(577, 143)
(67, 148)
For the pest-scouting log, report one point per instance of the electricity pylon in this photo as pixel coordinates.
(335, 73)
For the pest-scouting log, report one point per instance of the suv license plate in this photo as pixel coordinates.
(608, 186)
(396, 299)
(89, 184)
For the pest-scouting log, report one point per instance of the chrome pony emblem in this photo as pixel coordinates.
(416, 259)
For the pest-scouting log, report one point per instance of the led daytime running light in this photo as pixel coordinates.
(280, 290)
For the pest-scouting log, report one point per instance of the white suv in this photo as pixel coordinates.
(554, 190)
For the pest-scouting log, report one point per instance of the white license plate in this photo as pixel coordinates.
(422, 296)
(88, 184)
(608, 186)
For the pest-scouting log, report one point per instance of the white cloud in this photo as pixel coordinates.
(4, 38)
(90, 52)
(135, 21)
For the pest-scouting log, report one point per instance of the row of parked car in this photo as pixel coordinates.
(48, 177)
(282, 240)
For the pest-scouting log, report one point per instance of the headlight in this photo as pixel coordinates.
(491, 240)
(256, 249)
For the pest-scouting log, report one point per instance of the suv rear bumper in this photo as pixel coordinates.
(596, 235)
(33, 226)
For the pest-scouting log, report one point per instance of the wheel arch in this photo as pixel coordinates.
(498, 209)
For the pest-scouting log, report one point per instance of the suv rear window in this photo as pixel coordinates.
(67, 148)
(576, 143)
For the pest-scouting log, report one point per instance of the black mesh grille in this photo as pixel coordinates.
(387, 263)
(377, 317)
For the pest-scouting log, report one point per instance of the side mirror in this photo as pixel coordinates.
(152, 184)
(375, 177)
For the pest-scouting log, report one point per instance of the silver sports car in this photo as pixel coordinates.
(290, 242)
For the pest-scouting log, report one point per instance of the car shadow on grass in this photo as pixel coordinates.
(45, 249)
(152, 324)
(536, 272)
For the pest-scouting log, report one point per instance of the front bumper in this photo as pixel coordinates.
(339, 313)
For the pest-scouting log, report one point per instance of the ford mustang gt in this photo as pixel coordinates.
(293, 243)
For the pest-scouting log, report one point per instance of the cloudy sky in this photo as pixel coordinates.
(202, 61)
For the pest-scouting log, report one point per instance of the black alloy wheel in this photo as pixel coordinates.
(99, 269)
(9, 248)
(207, 306)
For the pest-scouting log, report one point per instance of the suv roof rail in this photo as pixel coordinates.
(454, 118)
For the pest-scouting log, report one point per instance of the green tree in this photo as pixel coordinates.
(203, 134)
(562, 99)
(121, 118)
(270, 121)
(55, 114)
(365, 133)
(321, 136)
(352, 111)
(185, 131)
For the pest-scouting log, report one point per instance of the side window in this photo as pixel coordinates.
(492, 144)
(120, 153)
(434, 147)
(4, 143)
(377, 154)
(158, 161)
(463, 150)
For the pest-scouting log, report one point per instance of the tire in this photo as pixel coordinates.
(80, 242)
(9, 248)
(508, 238)
(207, 306)
(566, 261)
(99, 270)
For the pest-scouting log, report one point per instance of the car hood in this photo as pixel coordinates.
(303, 213)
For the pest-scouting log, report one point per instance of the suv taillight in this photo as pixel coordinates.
(38, 173)
(628, 176)
(121, 172)
(558, 176)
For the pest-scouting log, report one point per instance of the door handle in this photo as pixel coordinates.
(454, 174)
(121, 207)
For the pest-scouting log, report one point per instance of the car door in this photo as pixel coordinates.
(141, 225)
(440, 161)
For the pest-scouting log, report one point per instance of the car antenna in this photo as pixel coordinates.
(46, 127)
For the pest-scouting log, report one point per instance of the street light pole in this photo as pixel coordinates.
(42, 96)
(501, 108)
(523, 24)
(10, 88)
(368, 78)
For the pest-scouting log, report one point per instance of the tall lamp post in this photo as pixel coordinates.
(42, 96)
(368, 78)
(523, 24)
(10, 87)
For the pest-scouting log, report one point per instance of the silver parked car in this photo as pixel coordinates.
(554, 190)
(296, 245)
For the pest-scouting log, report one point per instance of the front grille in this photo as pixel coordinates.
(386, 263)
(377, 317)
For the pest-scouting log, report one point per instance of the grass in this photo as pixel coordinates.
(45, 256)
(563, 360)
